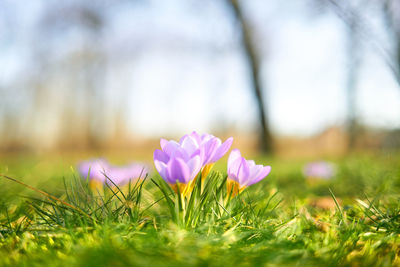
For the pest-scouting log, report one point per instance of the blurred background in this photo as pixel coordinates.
(299, 78)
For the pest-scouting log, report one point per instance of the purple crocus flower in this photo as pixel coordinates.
(243, 173)
(178, 163)
(212, 146)
(100, 171)
(319, 169)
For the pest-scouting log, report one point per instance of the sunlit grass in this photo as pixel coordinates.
(280, 221)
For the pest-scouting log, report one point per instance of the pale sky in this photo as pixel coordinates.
(175, 67)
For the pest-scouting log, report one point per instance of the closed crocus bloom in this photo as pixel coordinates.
(243, 173)
(178, 163)
(212, 146)
(96, 170)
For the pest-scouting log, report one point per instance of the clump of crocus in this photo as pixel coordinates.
(212, 146)
(319, 170)
(178, 163)
(181, 162)
(99, 172)
(243, 173)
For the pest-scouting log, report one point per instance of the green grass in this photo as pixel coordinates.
(276, 222)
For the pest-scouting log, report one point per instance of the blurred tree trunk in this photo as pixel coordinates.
(254, 69)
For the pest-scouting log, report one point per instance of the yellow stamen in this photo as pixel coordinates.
(234, 188)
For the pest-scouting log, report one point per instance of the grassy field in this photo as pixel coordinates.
(349, 220)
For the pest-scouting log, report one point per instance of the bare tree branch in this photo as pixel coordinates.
(349, 16)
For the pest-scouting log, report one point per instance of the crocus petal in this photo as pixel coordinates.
(243, 172)
(199, 152)
(254, 169)
(162, 169)
(160, 166)
(221, 151)
(205, 137)
(260, 175)
(233, 169)
(161, 156)
(189, 144)
(196, 136)
(163, 142)
(183, 139)
(170, 147)
(180, 153)
(194, 166)
(178, 170)
(251, 163)
(235, 154)
(210, 147)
